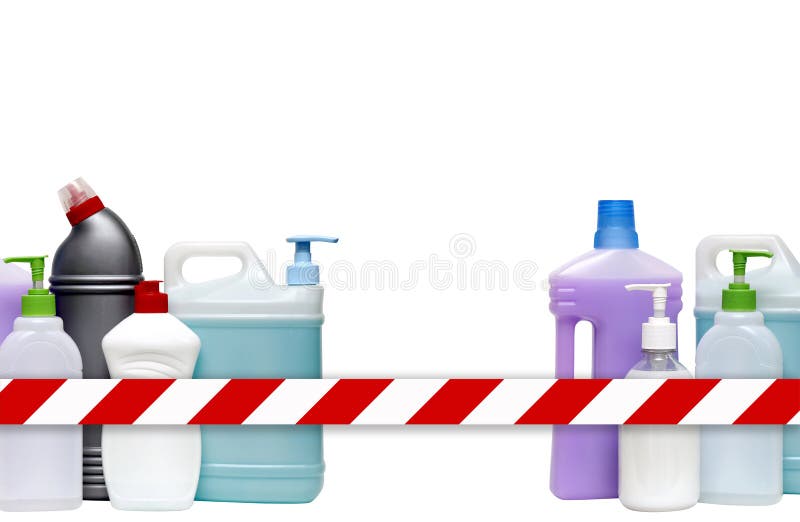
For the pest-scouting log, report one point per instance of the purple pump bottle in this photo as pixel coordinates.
(592, 288)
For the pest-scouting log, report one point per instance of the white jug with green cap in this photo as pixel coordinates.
(778, 286)
(740, 464)
(40, 466)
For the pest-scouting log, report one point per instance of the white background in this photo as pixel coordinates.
(397, 126)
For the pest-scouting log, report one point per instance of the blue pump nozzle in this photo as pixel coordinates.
(615, 224)
(303, 271)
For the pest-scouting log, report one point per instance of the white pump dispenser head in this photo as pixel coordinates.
(658, 333)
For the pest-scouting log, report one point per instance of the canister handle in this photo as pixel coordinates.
(709, 248)
(179, 253)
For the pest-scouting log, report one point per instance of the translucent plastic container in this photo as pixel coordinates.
(778, 287)
(740, 464)
(40, 466)
(250, 327)
(659, 466)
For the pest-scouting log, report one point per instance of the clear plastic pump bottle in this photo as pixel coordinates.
(659, 466)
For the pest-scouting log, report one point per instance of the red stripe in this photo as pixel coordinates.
(454, 401)
(672, 401)
(777, 405)
(563, 401)
(345, 401)
(127, 401)
(21, 398)
(236, 401)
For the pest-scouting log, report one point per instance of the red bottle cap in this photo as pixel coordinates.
(88, 208)
(148, 299)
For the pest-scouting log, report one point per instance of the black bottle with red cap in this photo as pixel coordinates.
(94, 272)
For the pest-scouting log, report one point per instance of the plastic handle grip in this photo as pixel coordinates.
(565, 347)
(709, 248)
(179, 253)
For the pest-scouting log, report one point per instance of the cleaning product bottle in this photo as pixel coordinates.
(151, 467)
(14, 283)
(252, 328)
(591, 288)
(740, 464)
(40, 466)
(94, 272)
(778, 299)
(659, 466)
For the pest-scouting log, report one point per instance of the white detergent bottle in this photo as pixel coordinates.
(740, 464)
(659, 466)
(41, 467)
(151, 467)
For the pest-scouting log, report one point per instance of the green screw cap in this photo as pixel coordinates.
(39, 302)
(739, 297)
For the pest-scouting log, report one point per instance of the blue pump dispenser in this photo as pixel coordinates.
(303, 271)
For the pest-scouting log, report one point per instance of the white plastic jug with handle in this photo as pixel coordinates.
(251, 327)
(778, 287)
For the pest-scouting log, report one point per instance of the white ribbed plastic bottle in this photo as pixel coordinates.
(151, 467)
(659, 466)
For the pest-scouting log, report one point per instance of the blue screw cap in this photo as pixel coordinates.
(615, 225)
(303, 271)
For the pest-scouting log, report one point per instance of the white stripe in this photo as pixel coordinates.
(290, 401)
(4, 383)
(181, 401)
(795, 419)
(399, 401)
(726, 401)
(72, 401)
(618, 400)
(508, 401)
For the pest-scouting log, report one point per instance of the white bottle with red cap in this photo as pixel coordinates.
(151, 467)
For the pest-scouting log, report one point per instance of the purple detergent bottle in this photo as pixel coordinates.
(592, 288)
(14, 283)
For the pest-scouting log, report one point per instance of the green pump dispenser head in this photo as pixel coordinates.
(39, 302)
(739, 297)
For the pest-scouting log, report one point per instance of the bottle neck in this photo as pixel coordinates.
(658, 361)
(739, 318)
(658, 355)
(614, 240)
(44, 323)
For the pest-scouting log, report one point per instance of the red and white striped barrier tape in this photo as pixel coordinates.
(399, 401)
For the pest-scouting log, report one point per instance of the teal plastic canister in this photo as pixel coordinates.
(251, 327)
(778, 287)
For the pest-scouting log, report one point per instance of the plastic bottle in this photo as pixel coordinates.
(252, 328)
(591, 288)
(659, 466)
(14, 283)
(94, 272)
(151, 467)
(740, 464)
(778, 299)
(40, 466)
